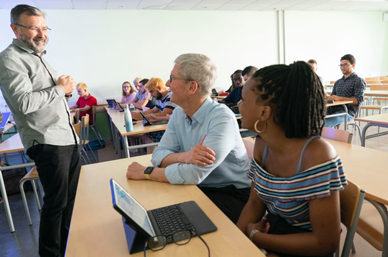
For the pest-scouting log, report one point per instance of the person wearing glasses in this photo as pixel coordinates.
(350, 87)
(202, 144)
(129, 93)
(38, 97)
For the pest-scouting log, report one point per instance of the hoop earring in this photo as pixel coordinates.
(260, 131)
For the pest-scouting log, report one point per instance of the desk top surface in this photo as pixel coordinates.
(12, 144)
(370, 92)
(378, 119)
(138, 128)
(338, 103)
(365, 167)
(97, 229)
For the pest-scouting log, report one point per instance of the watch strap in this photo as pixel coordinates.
(252, 234)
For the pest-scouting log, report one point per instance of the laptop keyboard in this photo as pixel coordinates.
(171, 219)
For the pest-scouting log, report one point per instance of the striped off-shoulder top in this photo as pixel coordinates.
(289, 197)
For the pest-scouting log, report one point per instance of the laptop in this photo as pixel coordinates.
(151, 223)
(6, 116)
(146, 122)
(112, 104)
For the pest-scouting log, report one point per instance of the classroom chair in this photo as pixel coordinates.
(371, 225)
(78, 130)
(32, 176)
(351, 199)
(85, 135)
(93, 127)
(337, 134)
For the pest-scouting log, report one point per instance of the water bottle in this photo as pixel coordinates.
(128, 119)
(131, 107)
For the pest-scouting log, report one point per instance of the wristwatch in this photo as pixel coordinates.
(252, 234)
(148, 171)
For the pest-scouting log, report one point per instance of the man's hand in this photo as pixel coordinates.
(67, 84)
(200, 155)
(334, 97)
(136, 171)
(151, 117)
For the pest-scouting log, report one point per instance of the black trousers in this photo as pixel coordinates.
(59, 168)
(229, 200)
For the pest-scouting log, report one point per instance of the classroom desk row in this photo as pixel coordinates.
(97, 229)
(117, 124)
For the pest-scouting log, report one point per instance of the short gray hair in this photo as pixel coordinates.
(23, 8)
(199, 68)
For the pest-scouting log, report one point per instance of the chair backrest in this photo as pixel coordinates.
(85, 128)
(351, 199)
(337, 134)
(77, 128)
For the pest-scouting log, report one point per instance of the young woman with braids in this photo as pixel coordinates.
(296, 175)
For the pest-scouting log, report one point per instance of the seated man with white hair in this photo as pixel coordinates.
(202, 144)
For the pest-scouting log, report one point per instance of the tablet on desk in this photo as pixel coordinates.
(146, 122)
(151, 223)
(329, 101)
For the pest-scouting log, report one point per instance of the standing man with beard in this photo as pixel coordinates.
(38, 98)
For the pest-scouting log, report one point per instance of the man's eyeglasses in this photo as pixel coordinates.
(33, 28)
(172, 78)
(344, 65)
(157, 243)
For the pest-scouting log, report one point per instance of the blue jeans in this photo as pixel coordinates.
(334, 121)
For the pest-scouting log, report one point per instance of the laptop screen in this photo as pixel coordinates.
(130, 208)
(5, 119)
(111, 103)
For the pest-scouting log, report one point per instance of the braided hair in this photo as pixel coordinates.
(296, 96)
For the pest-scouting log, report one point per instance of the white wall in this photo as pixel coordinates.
(327, 36)
(105, 48)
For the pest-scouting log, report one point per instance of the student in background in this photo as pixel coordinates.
(230, 89)
(85, 102)
(160, 112)
(296, 175)
(136, 82)
(129, 93)
(248, 72)
(314, 65)
(350, 87)
(143, 97)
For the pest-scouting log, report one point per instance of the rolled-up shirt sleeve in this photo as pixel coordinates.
(359, 90)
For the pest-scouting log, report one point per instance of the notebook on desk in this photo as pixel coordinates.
(188, 215)
(6, 116)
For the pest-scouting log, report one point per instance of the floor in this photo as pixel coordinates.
(24, 242)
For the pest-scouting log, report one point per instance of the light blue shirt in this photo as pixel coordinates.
(219, 124)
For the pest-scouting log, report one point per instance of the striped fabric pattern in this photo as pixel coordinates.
(289, 197)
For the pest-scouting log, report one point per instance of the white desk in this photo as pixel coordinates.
(118, 126)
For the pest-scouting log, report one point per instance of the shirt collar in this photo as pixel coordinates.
(202, 112)
(24, 47)
(351, 76)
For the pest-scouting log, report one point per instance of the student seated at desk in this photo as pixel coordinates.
(296, 176)
(202, 144)
(160, 112)
(129, 93)
(143, 99)
(85, 102)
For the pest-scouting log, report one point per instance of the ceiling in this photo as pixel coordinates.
(218, 5)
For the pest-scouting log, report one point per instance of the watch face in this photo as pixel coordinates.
(148, 170)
